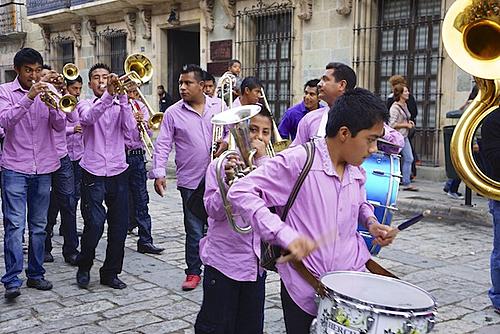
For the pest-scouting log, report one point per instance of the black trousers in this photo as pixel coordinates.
(113, 191)
(229, 306)
(297, 321)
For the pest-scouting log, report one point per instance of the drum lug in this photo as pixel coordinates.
(430, 324)
(408, 327)
(369, 323)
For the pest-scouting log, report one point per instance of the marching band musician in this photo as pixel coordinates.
(209, 87)
(62, 194)
(234, 285)
(337, 79)
(187, 124)
(137, 178)
(27, 163)
(251, 89)
(105, 120)
(321, 226)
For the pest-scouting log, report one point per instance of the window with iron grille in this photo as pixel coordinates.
(264, 46)
(407, 34)
(67, 52)
(112, 49)
(64, 53)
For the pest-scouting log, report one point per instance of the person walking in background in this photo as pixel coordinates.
(165, 98)
(401, 120)
(209, 88)
(291, 118)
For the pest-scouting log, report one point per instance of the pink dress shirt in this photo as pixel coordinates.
(192, 135)
(104, 123)
(74, 139)
(60, 136)
(133, 139)
(326, 210)
(29, 145)
(234, 254)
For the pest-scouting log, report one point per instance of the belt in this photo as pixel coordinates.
(137, 151)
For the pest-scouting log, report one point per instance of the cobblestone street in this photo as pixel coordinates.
(449, 260)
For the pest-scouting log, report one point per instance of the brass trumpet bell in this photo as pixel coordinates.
(471, 35)
(155, 121)
(70, 71)
(66, 103)
(140, 64)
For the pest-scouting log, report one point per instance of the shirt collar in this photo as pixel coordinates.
(16, 85)
(351, 172)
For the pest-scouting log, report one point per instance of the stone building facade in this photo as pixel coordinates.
(283, 42)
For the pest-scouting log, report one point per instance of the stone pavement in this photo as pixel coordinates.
(448, 258)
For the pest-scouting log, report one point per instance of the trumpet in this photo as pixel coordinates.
(65, 103)
(279, 144)
(237, 118)
(148, 143)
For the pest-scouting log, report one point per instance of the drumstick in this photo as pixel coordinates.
(413, 220)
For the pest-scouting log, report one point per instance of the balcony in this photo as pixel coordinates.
(11, 20)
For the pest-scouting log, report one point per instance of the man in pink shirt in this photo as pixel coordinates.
(187, 125)
(320, 229)
(105, 120)
(29, 157)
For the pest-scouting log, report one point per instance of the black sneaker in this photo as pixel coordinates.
(12, 293)
(82, 278)
(39, 284)
(113, 282)
(48, 258)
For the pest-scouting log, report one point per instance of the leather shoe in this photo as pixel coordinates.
(12, 293)
(39, 284)
(113, 282)
(82, 278)
(71, 259)
(149, 248)
(47, 257)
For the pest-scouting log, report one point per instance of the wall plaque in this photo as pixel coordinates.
(221, 50)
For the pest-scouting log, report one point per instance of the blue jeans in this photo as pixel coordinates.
(62, 198)
(407, 156)
(96, 190)
(194, 232)
(494, 292)
(139, 198)
(452, 185)
(18, 192)
(230, 306)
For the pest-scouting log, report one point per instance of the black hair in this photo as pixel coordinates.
(197, 71)
(208, 77)
(312, 83)
(97, 66)
(250, 83)
(357, 109)
(72, 82)
(343, 72)
(232, 62)
(27, 56)
(160, 87)
(46, 67)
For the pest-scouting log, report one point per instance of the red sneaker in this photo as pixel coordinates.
(191, 282)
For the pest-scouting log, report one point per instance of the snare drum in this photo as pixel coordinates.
(358, 302)
(383, 173)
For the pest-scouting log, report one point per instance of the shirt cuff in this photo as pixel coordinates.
(262, 160)
(106, 98)
(123, 99)
(26, 102)
(286, 235)
(156, 173)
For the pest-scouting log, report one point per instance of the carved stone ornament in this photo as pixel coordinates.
(130, 19)
(145, 14)
(46, 36)
(229, 7)
(207, 8)
(346, 8)
(91, 28)
(305, 9)
(173, 18)
(76, 30)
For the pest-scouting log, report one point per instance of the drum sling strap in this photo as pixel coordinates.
(299, 266)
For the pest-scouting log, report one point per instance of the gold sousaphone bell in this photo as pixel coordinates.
(471, 36)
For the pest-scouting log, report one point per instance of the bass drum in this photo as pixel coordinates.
(383, 174)
(358, 302)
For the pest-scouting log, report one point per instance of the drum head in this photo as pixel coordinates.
(376, 290)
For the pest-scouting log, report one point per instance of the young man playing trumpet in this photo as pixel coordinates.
(187, 125)
(29, 158)
(320, 229)
(105, 120)
(235, 303)
(137, 178)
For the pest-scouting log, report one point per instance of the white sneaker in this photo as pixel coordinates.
(455, 195)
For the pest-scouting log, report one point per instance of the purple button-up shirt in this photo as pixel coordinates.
(29, 145)
(327, 210)
(221, 239)
(192, 135)
(74, 139)
(133, 139)
(60, 136)
(291, 119)
(104, 123)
